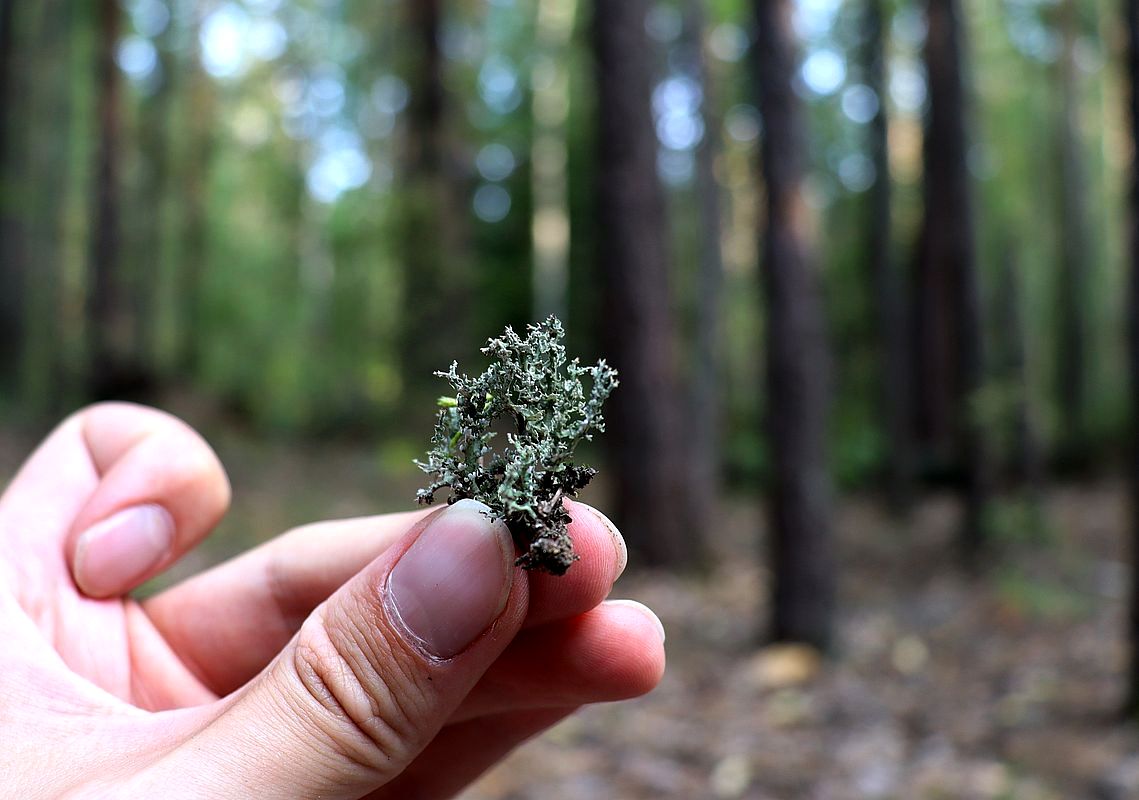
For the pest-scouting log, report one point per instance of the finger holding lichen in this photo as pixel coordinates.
(544, 398)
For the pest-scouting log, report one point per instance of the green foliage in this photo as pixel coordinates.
(531, 385)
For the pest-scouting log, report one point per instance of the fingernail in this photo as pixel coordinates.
(114, 555)
(454, 581)
(618, 540)
(644, 611)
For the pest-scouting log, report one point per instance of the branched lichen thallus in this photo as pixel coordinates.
(542, 396)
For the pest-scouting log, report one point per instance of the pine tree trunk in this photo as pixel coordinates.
(107, 314)
(798, 355)
(645, 436)
(1131, 15)
(706, 416)
(549, 183)
(888, 291)
(149, 262)
(1072, 294)
(1026, 467)
(437, 324)
(193, 222)
(48, 125)
(949, 298)
(12, 225)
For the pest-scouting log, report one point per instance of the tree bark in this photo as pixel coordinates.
(706, 375)
(645, 436)
(798, 355)
(1131, 18)
(437, 324)
(193, 230)
(109, 324)
(1026, 466)
(1072, 287)
(888, 289)
(48, 129)
(550, 86)
(949, 297)
(149, 261)
(12, 224)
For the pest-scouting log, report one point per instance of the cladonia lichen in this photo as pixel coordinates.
(544, 400)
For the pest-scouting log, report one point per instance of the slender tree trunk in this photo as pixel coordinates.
(149, 260)
(645, 435)
(8, 67)
(1072, 297)
(950, 296)
(1026, 459)
(107, 314)
(48, 116)
(888, 290)
(550, 228)
(193, 229)
(798, 355)
(1131, 17)
(706, 374)
(13, 71)
(437, 324)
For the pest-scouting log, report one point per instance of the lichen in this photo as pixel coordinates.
(544, 399)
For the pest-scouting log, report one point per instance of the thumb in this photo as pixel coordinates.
(373, 674)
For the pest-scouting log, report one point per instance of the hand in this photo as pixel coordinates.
(388, 657)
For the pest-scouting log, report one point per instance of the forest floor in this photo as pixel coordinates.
(1004, 686)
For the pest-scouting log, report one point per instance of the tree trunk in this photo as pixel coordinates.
(706, 391)
(645, 434)
(798, 356)
(949, 297)
(13, 79)
(436, 329)
(149, 261)
(1131, 14)
(109, 323)
(48, 126)
(1026, 467)
(889, 302)
(1072, 287)
(193, 232)
(550, 228)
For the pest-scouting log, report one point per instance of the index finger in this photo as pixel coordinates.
(114, 475)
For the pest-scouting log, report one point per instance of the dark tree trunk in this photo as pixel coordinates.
(8, 67)
(436, 327)
(646, 438)
(1072, 297)
(798, 355)
(888, 289)
(193, 230)
(1131, 15)
(949, 297)
(706, 416)
(13, 70)
(1026, 467)
(49, 114)
(109, 323)
(149, 258)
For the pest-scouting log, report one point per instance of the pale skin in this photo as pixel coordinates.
(279, 674)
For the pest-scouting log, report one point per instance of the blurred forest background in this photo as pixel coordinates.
(864, 265)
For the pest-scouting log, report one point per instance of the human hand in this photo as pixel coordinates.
(387, 657)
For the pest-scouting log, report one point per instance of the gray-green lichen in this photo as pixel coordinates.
(541, 395)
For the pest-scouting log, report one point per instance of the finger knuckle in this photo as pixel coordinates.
(367, 702)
